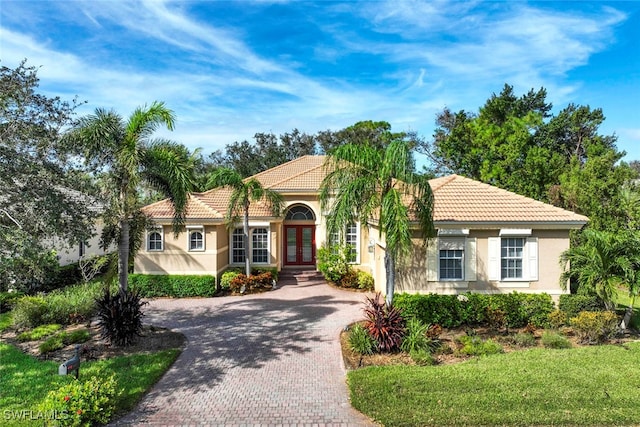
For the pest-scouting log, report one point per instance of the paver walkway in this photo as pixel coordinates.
(266, 359)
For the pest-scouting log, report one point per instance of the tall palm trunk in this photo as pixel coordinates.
(245, 233)
(390, 268)
(123, 254)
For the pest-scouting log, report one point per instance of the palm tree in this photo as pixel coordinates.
(127, 156)
(244, 192)
(378, 184)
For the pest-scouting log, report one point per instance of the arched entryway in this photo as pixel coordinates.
(299, 236)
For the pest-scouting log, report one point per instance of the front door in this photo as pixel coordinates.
(300, 245)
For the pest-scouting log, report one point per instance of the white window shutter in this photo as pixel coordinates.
(532, 255)
(494, 258)
(432, 260)
(470, 259)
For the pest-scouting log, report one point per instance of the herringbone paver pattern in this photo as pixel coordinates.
(270, 359)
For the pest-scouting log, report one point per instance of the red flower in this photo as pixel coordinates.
(79, 411)
(66, 398)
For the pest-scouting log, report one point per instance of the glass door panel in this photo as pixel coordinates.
(291, 245)
(307, 245)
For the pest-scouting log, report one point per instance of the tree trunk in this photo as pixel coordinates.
(390, 268)
(123, 254)
(246, 240)
(628, 313)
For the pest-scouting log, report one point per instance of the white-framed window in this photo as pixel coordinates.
(351, 238)
(237, 246)
(155, 241)
(259, 248)
(196, 239)
(451, 258)
(513, 257)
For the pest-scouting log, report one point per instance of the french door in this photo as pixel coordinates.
(300, 244)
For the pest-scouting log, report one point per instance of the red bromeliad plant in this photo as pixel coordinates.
(385, 323)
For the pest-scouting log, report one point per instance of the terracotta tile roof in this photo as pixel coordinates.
(457, 199)
(460, 199)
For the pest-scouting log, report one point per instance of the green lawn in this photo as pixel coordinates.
(25, 381)
(597, 385)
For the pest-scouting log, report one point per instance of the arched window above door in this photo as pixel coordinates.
(300, 212)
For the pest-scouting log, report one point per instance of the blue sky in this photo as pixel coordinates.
(232, 69)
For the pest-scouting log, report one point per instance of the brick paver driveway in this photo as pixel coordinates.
(265, 359)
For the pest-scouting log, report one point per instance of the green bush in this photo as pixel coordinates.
(415, 338)
(422, 357)
(254, 283)
(53, 343)
(554, 340)
(360, 341)
(177, 286)
(29, 312)
(39, 332)
(365, 281)
(349, 280)
(77, 336)
(523, 340)
(82, 403)
(261, 270)
(227, 277)
(476, 346)
(67, 275)
(593, 327)
(557, 319)
(73, 304)
(333, 261)
(572, 304)
(8, 300)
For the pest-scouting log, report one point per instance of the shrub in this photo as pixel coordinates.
(365, 281)
(261, 270)
(572, 304)
(523, 340)
(473, 345)
(120, 316)
(73, 304)
(227, 277)
(39, 332)
(554, 340)
(557, 319)
(496, 318)
(8, 300)
(360, 341)
(29, 312)
(594, 327)
(333, 261)
(254, 283)
(66, 275)
(82, 403)
(53, 343)
(76, 337)
(422, 357)
(177, 286)
(349, 280)
(415, 337)
(384, 323)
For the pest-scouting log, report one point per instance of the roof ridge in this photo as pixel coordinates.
(299, 173)
(196, 197)
(283, 165)
(443, 180)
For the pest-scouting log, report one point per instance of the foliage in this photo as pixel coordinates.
(415, 338)
(8, 300)
(551, 339)
(62, 339)
(261, 270)
(332, 261)
(254, 283)
(40, 189)
(571, 305)
(120, 316)
(243, 193)
(475, 346)
(511, 389)
(177, 286)
(360, 341)
(422, 357)
(452, 311)
(524, 339)
(83, 403)
(73, 304)
(365, 281)
(557, 319)
(6, 320)
(227, 277)
(594, 327)
(367, 181)
(29, 312)
(39, 332)
(92, 266)
(128, 157)
(384, 323)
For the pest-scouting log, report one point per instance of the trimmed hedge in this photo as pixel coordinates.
(572, 304)
(452, 311)
(152, 285)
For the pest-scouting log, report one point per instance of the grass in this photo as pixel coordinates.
(597, 385)
(622, 298)
(39, 332)
(25, 381)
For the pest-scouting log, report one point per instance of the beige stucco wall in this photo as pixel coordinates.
(412, 276)
(68, 254)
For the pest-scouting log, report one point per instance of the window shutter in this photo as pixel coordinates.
(494, 258)
(470, 260)
(432, 260)
(532, 255)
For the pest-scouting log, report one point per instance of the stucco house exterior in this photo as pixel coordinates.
(489, 240)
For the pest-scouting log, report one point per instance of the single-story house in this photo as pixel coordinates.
(489, 240)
